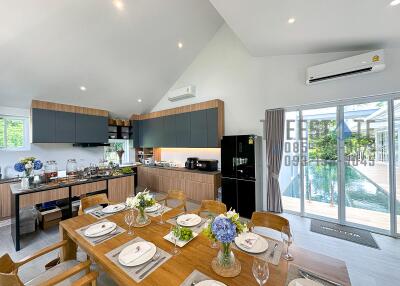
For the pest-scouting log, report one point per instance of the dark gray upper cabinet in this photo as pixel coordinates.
(43, 126)
(182, 129)
(212, 128)
(198, 128)
(169, 139)
(158, 132)
(65, 127)
(135, 135)
(91, 129)
(147, 133)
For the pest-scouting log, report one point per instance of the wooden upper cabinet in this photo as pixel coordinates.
(43, 125)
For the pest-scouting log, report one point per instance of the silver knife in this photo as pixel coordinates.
(307, 275)
(152, 267)
(271, 255)
(175, 217)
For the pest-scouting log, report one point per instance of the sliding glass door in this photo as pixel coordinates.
(342, 163)
(320, 172)
(366, 150)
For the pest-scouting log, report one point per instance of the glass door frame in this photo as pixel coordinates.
(339, 104)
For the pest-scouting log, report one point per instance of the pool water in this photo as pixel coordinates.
(321, 186)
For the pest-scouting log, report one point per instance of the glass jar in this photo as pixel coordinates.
(50, 170)
(72, 169)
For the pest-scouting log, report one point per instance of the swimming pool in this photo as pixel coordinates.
(322, 178)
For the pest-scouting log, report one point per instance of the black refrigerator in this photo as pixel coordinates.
(241, 168)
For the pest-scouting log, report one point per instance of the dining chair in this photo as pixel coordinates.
(211, 207)
(91, 201)
(70, 272)
(175, 195)
(269, 220)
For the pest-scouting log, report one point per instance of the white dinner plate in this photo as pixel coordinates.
(304, 282)
(188, 220)
(180, 243)
(110, 209)
(152, 208)
(260, 245)
(142, 258)
(210, 283)
(100, 229)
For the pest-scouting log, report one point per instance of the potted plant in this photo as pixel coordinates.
(140, 202)
(224, 228)
(27, 165)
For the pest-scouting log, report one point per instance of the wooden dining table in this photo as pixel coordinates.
(196, 255)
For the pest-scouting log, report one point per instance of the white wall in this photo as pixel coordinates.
(179, 155)
(250, 85)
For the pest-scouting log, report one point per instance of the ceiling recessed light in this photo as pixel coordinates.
(139, 100)
(395, 3)
(180, 45)
(83, 88)
(291, 20)
(118, 4)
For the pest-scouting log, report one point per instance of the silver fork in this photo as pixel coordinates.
(154, 258)
(137, 250)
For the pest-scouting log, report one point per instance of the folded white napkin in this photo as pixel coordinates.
(113, 207)
(249, 240)
(98, 228)
(130, 256)
(188, 219)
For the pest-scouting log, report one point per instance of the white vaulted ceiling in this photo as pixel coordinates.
(320, 26)
(50, 48)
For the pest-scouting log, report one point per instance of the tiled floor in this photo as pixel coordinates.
(367, 266)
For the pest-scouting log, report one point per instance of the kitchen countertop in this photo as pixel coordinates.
(16, 188)
(9, 180)
(183, 170)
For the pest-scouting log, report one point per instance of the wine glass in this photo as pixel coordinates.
(176, 234)
(287, 239)
(161, 212)
(129, 219)
(260, 271)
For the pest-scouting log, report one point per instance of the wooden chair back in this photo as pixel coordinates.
(177, 195)
(8, 272)
(211, 206)
(91, 201)
(269, 220)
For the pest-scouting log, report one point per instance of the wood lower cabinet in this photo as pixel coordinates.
(120, 188)
(78, 190)
(42, 197)
(5, 199)
(197, 186)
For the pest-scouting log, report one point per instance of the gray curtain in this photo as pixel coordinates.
(274, 128)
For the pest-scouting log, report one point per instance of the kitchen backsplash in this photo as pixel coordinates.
(44, 152)
(179, 155)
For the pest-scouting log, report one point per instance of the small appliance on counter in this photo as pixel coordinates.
(191, 163)
(207, 165)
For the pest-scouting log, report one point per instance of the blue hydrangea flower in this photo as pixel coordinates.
(224, 229)
(19, 167)
(37, 165)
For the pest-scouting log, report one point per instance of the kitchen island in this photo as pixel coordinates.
(197, 185)
(118, 188)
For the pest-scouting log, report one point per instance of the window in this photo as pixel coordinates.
(14, 133)
(110, 152)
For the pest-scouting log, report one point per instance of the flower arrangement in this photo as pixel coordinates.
(141, 201)
(27, 165)
(224, 228)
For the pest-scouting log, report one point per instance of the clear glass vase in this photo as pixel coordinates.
(142, 217)
(225, 257)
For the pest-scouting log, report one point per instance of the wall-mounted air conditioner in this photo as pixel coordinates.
(182, 93)
(357, 65)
